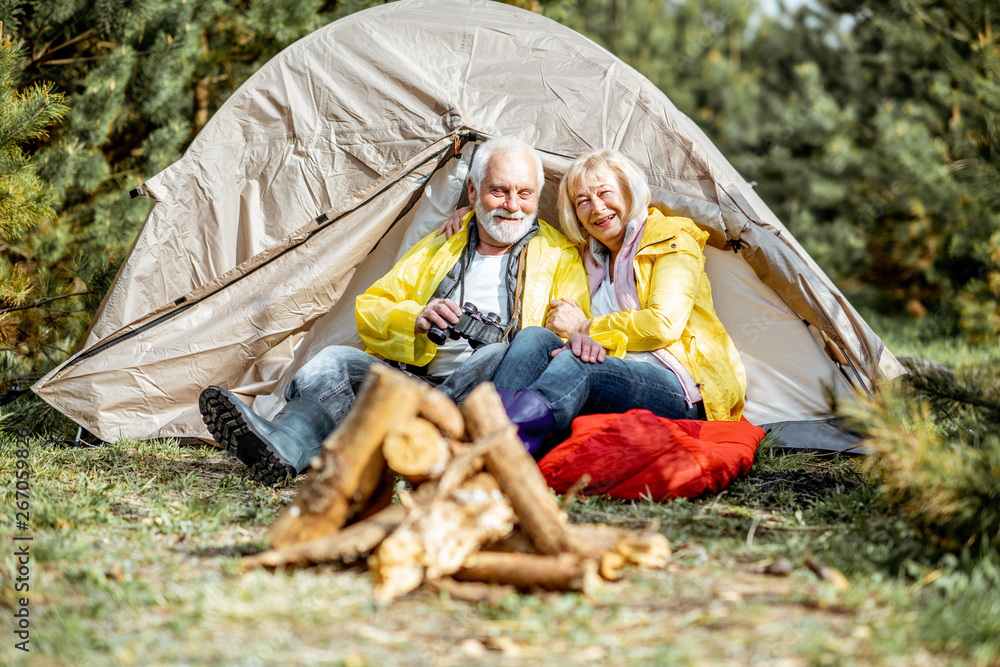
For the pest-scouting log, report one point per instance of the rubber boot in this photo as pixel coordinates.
(271, 449)
(532, 415)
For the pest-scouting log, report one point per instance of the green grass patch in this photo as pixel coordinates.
(136, 561)
(137, 547)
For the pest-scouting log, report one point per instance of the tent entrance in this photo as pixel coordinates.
(242, 329)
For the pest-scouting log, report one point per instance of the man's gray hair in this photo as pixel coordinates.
(504, 145)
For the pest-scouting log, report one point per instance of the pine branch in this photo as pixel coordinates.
(5, 247)
(961, 19)
(73, 61)
(45, 113)
(940, 29)
(117, 174)
(45, 49)
(937, 380)
(47, 355)
(41, 302)
(159, 66)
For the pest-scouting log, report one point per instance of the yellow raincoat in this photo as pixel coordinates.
(677, 314)
(387, 312)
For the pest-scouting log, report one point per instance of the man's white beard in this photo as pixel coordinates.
(504, 232)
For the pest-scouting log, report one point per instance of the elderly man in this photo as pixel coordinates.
(503, 261)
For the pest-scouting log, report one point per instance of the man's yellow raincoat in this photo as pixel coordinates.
(387, 312)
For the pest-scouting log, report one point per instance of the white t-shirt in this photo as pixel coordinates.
(604, 302)
(485, 287)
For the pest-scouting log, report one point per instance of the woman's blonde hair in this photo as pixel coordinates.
(630, 178)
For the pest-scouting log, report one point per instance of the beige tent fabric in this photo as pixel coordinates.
(786, 381)
(441, 194)
(221, 283)
(237, 331)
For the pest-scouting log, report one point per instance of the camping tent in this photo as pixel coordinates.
(329, 162)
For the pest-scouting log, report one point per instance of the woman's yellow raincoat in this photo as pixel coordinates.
(677, 314)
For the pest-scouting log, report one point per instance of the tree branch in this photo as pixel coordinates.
(41, 302)
(73, 61)
(929, 21)
(46, 50)
(961, 19)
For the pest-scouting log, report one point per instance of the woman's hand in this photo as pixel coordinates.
(566, 318)
(583, 346)
(454, 223)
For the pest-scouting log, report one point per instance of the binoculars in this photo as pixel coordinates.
(472, 325)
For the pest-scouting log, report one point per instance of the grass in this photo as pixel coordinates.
(136, 550)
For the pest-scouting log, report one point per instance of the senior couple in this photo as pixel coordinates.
(612, 314)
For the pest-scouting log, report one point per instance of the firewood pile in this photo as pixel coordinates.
(479, 520)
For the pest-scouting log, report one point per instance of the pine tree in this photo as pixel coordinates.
(25, 115)
(937, 446)
(140, 77)
(879, 159)
(869, 126)
(920, 80)
(691, 50)
(123, 68)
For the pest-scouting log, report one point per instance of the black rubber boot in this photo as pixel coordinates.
(271, 449)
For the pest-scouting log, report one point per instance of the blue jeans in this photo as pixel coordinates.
(572, 387)
(335, 375)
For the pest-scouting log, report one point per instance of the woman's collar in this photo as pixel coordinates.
(601, 250)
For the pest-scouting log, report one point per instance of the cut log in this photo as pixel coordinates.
(436, 540)
(564, 572)
(417, 450)
(598, 538)
(516, 542)
(644, 549)
(518, 474)
(467, 461)
(380, 498)
(469, 591)
(441, 411)
(614, 548)
(397, 565)
(347, 545)
(344, 475)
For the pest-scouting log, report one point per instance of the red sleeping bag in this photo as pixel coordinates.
(638, 455)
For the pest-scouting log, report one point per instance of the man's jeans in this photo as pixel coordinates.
(572, 387)
(335, 375)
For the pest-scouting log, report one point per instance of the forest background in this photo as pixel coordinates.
(869, 126)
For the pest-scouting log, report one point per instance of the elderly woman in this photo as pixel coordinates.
(654, 340)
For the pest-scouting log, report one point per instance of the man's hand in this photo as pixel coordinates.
(454, 223)
(566, 318)
(440, 312)
(583, 346)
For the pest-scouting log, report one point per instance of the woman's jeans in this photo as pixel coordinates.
(572, 387)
